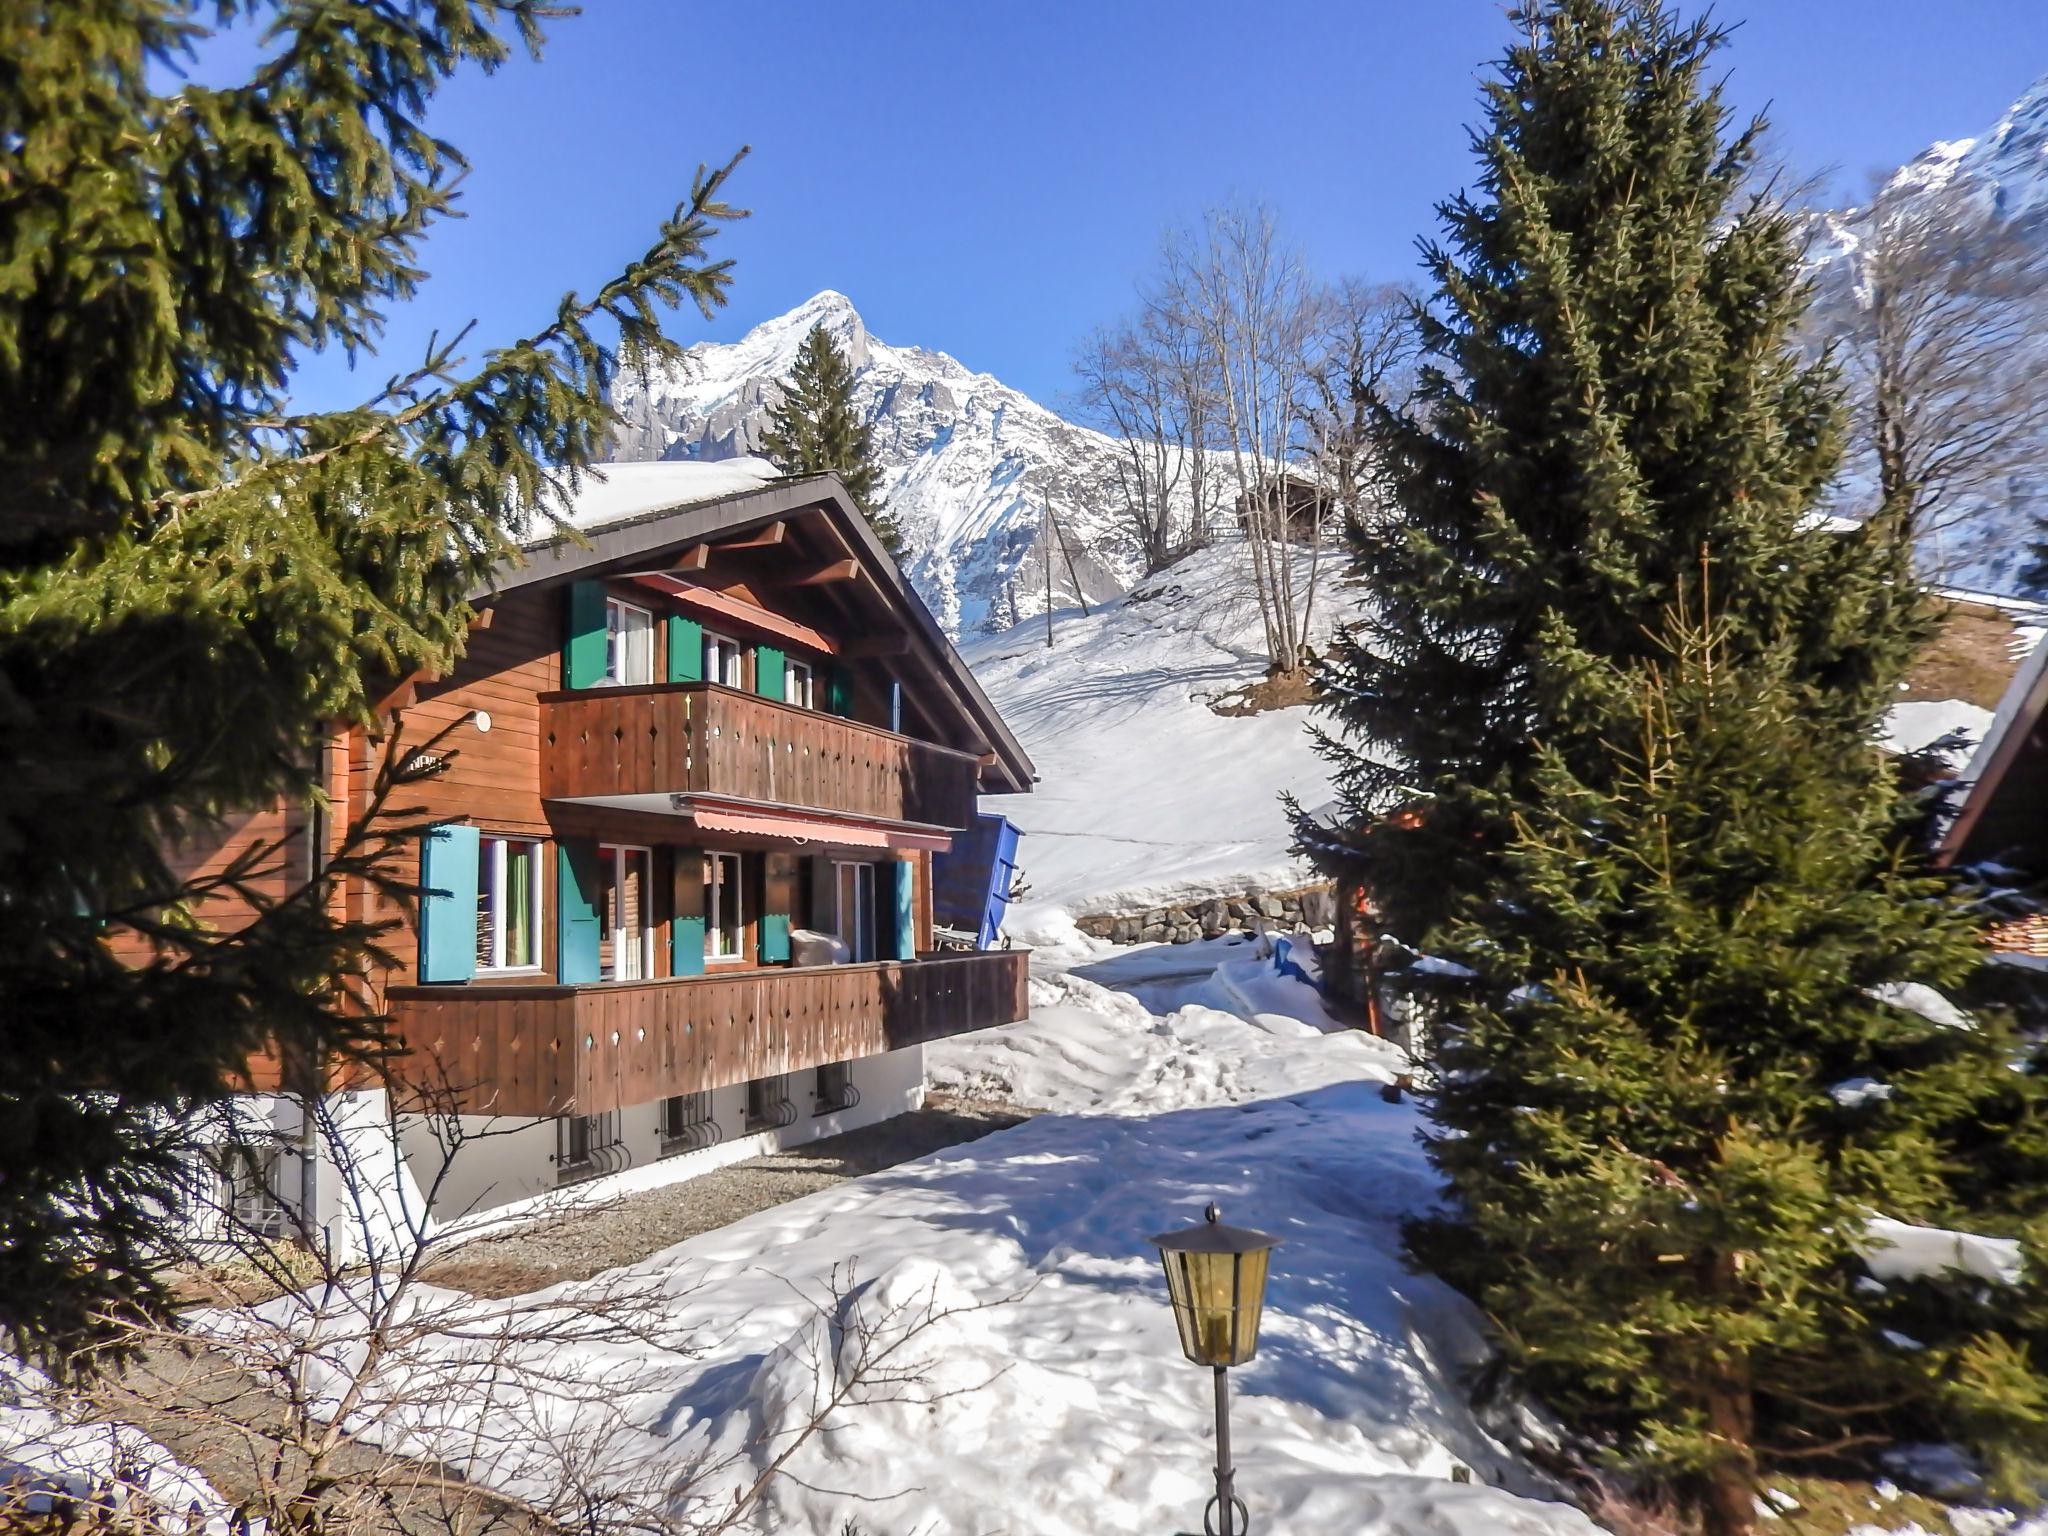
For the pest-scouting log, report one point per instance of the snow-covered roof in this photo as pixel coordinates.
(612, 493)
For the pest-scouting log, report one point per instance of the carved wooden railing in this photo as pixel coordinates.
(699, 738)
(550, 1050)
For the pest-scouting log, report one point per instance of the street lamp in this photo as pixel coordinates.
(1216, 1278)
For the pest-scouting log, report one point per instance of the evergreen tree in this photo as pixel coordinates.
(815, 429)
(197, 580)
(1688, 1075)
(1609, 392)
(1666, 848)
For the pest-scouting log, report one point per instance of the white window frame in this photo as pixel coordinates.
(497, 848)
(849, 932)
(251, 1175)
(615, 634)
(722, 653)
(714, 927)
(799, 684)
(618, 853)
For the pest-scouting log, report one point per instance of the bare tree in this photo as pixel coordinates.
(332, 1386)
(1147, 382)
(1246, 292)
(1937, 338)
(1362, 359)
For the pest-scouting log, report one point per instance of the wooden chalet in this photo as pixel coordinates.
(684, 792)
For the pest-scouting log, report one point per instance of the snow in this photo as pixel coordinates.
(1899, 1250)
(612, 493)
(1050, 1386)
(1918, 997)
(1955, 725)
(47, 1452)
(1146, 794)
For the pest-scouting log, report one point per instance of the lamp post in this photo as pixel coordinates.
(1216, 1279)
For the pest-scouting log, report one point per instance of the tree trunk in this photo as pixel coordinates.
(1730, 1494)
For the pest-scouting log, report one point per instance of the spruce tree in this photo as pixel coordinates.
(1609, 391)
(815, 429)
(197, 579)
(1689, 1073)
(1606, 737)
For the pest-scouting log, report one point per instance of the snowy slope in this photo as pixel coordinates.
(1145, 793)
(972, 467)
(2006, 170)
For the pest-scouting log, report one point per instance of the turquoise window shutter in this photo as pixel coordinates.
(774, 937)
(448, 862)
(839, 692)
(900, 899)
(583, 635)
(686, 946)
(685, 650)
(768, 679)
(576, 924)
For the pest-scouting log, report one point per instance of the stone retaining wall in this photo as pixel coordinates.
(1205, 918)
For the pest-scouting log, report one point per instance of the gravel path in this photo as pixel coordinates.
(588, 1242)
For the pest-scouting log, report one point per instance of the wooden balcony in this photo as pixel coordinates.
(699, 738)
(550, 1050)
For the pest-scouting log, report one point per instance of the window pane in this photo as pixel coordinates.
(522, 862)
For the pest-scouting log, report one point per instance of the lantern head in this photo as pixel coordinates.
(1216, 1277)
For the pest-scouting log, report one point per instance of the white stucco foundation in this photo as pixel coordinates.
(507, 1168)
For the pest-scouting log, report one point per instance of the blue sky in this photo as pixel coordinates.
(988, 179)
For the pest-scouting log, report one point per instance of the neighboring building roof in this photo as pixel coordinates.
(641, 513)
(2006, 804)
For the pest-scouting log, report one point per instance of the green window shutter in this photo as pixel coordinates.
(768, 671)
(839, 692)
(685, 650)
(583, 635)
(896, 896)
(576, 924)
(448, 864)
(774, 937)
(686, 946)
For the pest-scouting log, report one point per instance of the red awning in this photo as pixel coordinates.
(798, 827)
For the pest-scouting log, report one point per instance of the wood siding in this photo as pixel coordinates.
(547, 1050)
(698, 738)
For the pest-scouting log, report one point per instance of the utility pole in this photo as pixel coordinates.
(1045, 550)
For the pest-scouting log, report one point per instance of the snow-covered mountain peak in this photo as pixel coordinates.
(988, 486)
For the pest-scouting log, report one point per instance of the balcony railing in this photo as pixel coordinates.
(699, 738)
(551, 1050)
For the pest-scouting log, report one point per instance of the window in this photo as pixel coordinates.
(798, 687)
(625, 945)
(686, 1122)
(507, 904)
(835, 1088)
(628, 643)
(854, 908)
(722, 662)
(724, 908)
(587, 1144)
(251, 1188)
(768, 1106)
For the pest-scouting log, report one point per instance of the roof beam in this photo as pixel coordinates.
(760, 539)
(822, 575)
